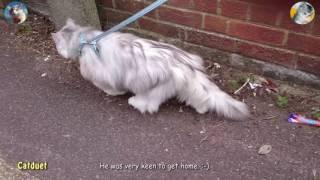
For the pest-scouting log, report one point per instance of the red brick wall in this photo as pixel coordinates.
(260, 29)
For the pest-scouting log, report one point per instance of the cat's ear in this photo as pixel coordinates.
(55, 37)
(70, 22)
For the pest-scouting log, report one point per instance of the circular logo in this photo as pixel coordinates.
(16, 12)
(302, 12)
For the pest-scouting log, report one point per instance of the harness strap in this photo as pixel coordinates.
(83, 42)
(93, 42)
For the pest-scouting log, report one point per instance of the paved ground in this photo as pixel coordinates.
(65, 121)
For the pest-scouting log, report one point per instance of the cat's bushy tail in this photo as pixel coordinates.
(204, 96)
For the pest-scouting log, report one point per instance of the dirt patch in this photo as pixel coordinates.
(35, 35)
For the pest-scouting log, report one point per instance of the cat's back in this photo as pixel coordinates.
(119, 37)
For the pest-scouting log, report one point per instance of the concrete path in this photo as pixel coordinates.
(78, 131)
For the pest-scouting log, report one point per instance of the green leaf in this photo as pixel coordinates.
(282, 101)
(316, 113)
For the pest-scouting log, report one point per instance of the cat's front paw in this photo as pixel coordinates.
(143, 104)
(138, 103)
(202, 109)
(152, 107)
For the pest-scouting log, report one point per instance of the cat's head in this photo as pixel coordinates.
(65, 40)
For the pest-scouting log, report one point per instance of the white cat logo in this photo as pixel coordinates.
(18, 14)
(302, 13)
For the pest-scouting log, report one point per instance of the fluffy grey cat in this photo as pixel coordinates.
(152, 71)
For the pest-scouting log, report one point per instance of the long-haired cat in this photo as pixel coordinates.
(152, 71)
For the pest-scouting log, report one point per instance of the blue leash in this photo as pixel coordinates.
(93, 42)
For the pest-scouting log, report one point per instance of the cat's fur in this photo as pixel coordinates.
(152, 71)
